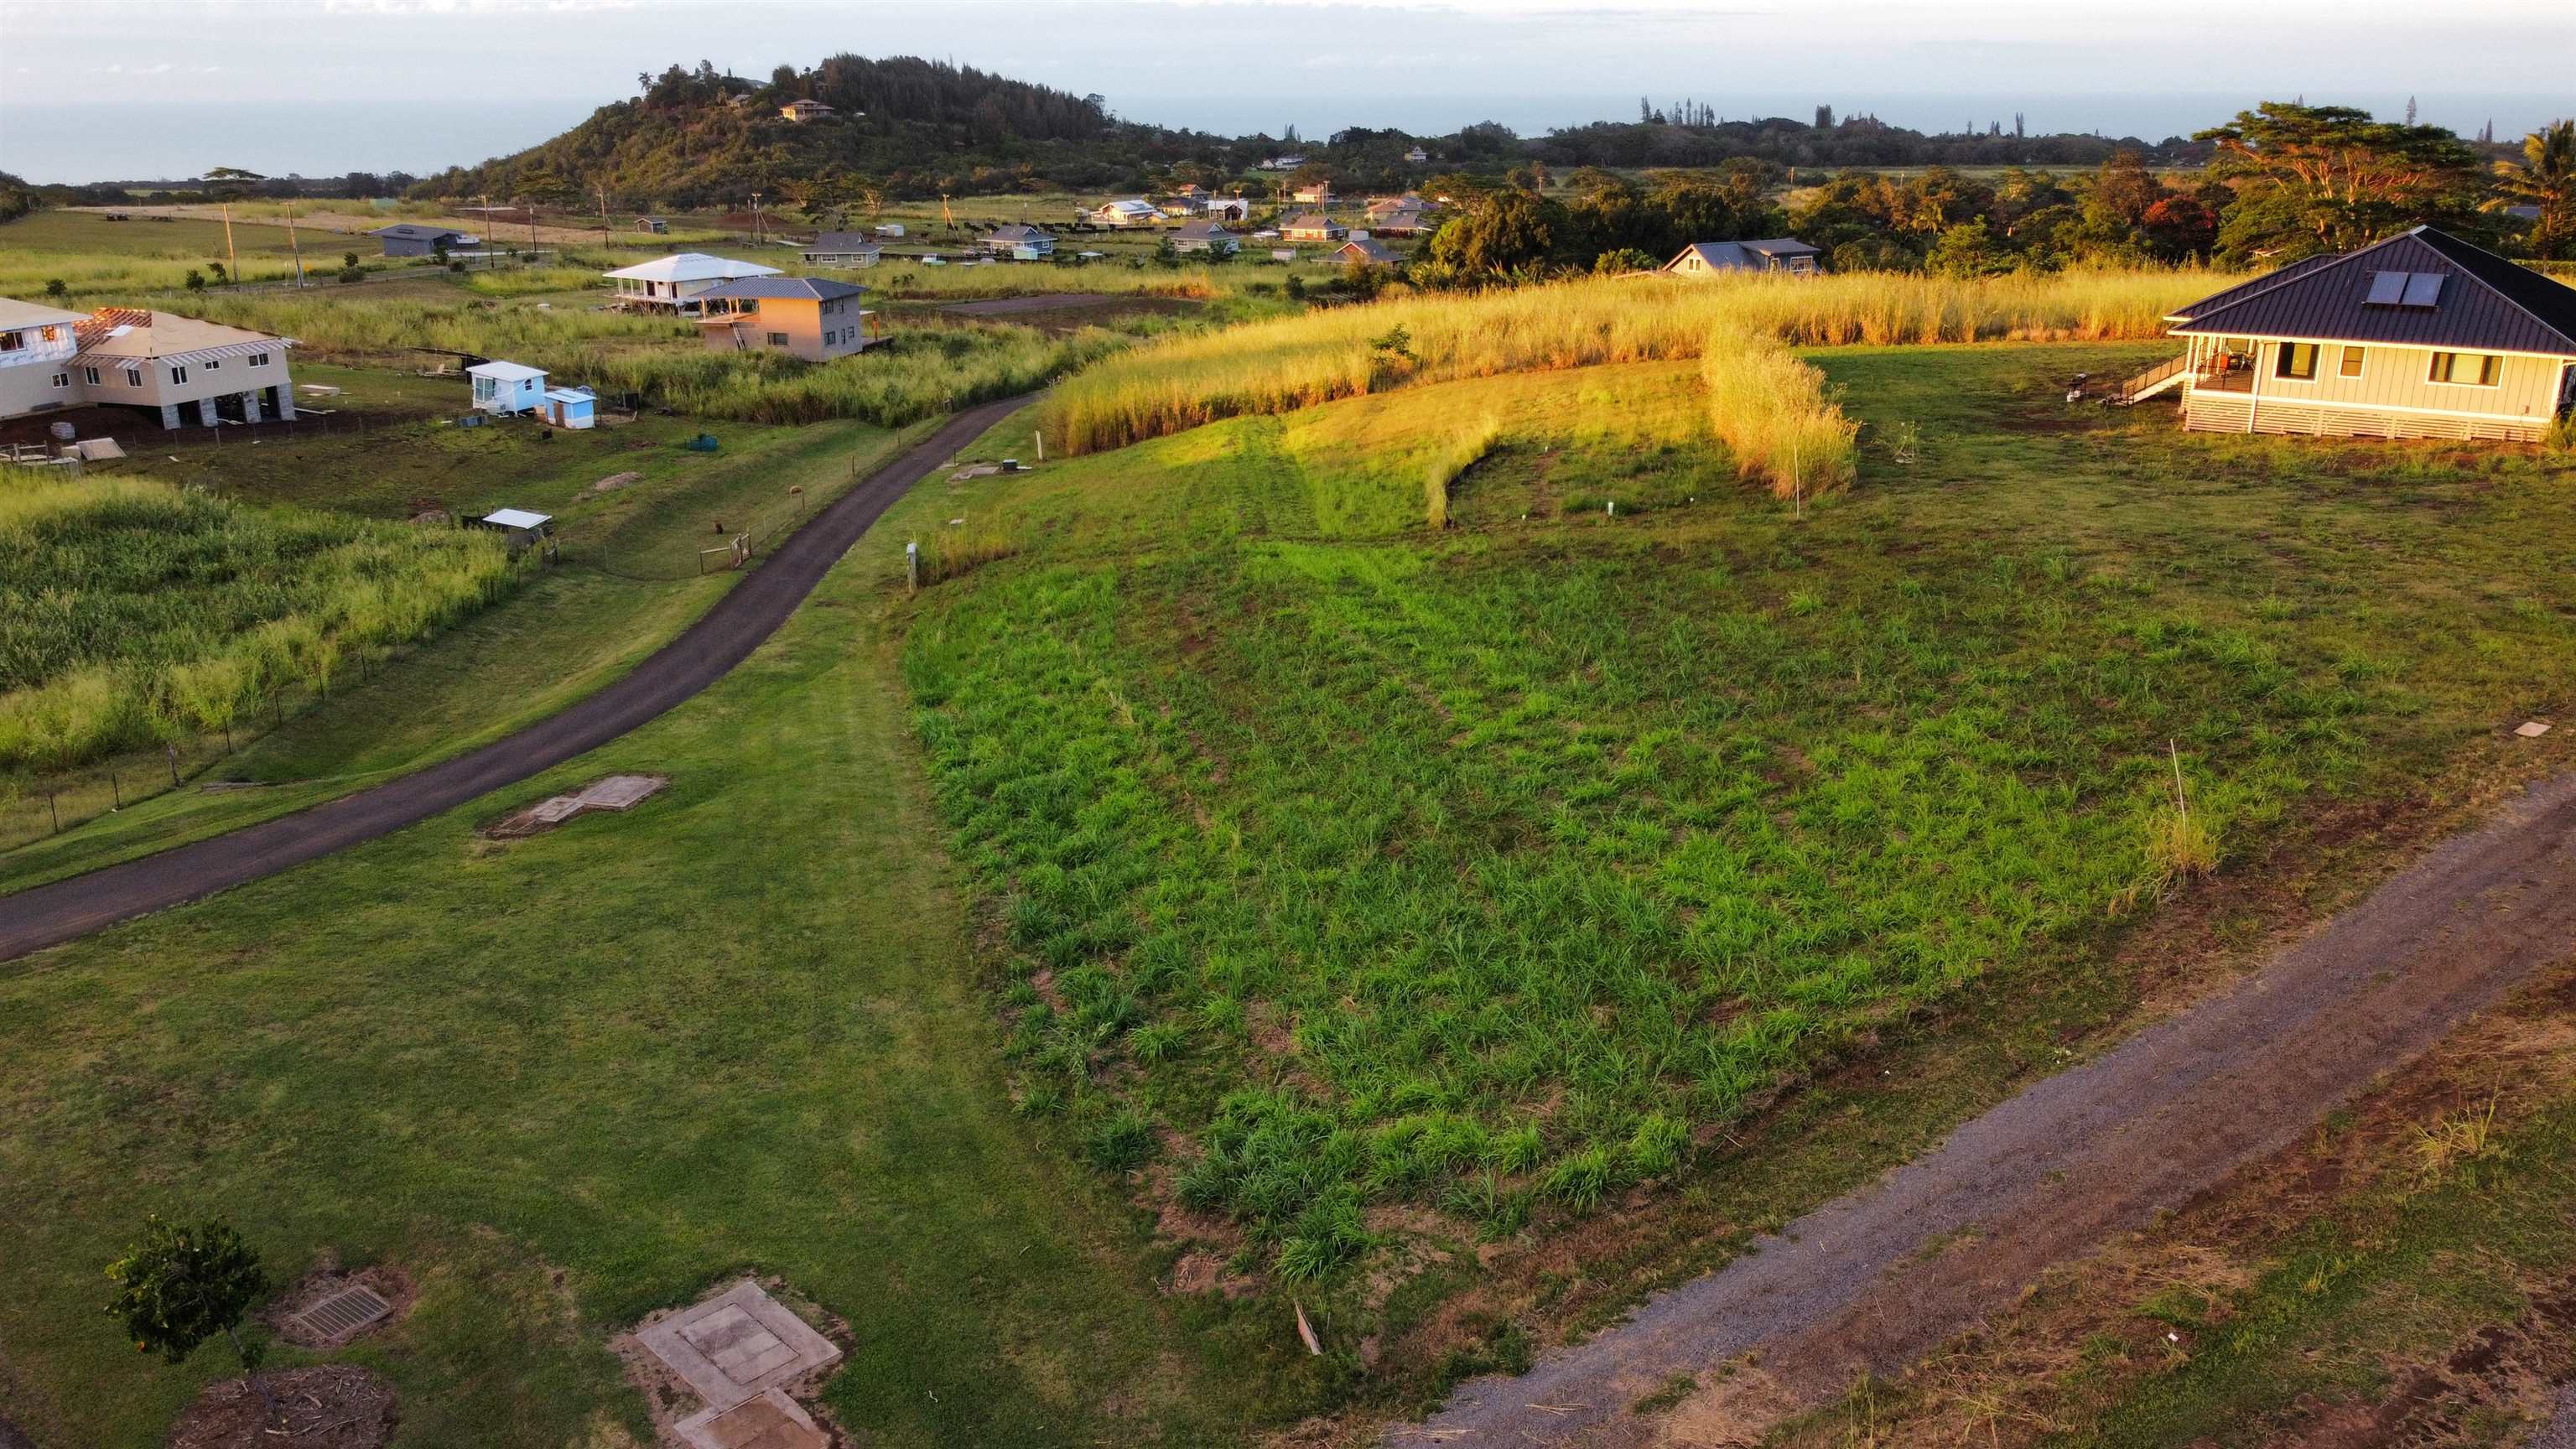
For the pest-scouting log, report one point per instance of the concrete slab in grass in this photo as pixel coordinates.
(767, 1420)
(734, 1345)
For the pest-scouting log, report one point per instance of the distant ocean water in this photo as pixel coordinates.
(148, 139)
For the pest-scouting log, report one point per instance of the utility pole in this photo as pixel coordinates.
(487, 226)
(296, 245)
(603, 213)
(755, 218)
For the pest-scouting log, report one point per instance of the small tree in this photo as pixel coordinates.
(57, 289)
(180, 1286)
(196, 280)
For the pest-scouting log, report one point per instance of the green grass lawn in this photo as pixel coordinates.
(1497, 872)
(571, 1079)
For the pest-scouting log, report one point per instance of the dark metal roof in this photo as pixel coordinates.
(1370, 250)
(1203, 231)
(843, 242)
(783, 289)
(1781, 246)
(2485, 304)
(1018, 232)
(413, 231)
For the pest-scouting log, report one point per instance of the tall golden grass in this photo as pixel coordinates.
(1301, 361)
(1469, 450)
(1772, 412)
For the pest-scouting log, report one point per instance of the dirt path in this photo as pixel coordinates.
(1042, 302)
(1875, 1279)
(2561, 1433)
(723, 637)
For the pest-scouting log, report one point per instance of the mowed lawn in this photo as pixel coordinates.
(1500, 872)
(570, 1079)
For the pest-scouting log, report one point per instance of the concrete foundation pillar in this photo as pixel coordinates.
(250, 406)
(285, 402)
(170, 415)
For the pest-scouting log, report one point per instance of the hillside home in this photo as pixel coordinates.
(673, 283)
(1288, 162)
(37, 344)
(657, 225)
(1314, 226)
(2418, 336)
(409, 239)
(1227, 208)
(843, 249)
(192, 373)
(1019, 242)
(1318, 194)
(1417, 156)
(801, 111)
(807, 317)
(1363, 251)
(507, 388)
(1133, 211)
(1205, 236)
(1770, 254)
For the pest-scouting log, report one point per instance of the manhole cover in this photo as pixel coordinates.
(345, 1312)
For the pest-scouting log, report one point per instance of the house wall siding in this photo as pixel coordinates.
(2394, 397)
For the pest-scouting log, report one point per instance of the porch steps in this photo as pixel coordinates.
(2162, 377)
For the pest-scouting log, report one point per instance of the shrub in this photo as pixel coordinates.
(1121, 1141)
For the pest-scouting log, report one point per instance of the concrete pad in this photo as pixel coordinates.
(619, 792)
(732, 1346)
(2531, 729)
(770, 1420)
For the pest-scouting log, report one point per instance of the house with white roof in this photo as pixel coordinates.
(36, 348)
(1134, 211)
(508, 387)
(674, 282)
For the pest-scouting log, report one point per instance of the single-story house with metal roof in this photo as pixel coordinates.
(2418, 336)
(570, 407)
(808, 317)
(1020, 242)
(1314, 226)
(1364, 251)
(507, 387)
(843, 249)
(675, 281)
(411, 239)
(1134, 211)
(1768, 254)
(1205, 236)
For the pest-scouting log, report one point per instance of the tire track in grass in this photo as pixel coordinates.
(723, 637)
(1875, 1279)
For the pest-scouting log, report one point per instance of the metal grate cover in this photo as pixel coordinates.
(345, 1312)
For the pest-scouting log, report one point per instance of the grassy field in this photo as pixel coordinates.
(577, 1077)
(629, 578)
(136, 613)
(1638, 814)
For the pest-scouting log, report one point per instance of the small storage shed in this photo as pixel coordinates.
(526, 529)
(507, 387)
(570, 407)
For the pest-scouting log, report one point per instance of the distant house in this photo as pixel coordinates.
(410, 239)
(653, 224)
(843, 249)
(807, 317)
(1406, 215)
(2418, 336)
(1187, 204)
(1287, 162)
(1205, 236)
(569, 407)
(505, 388)
(1134, 211)
(1773, 254)
(1417, 156)
(1227, 208)
(892, 230)
(1314, 226)
(1318, 194)
(1019, 242)
(192, 373)
(801, 111)
(1363, 251)
(673, 283)
(1382, 206)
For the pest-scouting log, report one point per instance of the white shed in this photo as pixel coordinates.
(507, 387)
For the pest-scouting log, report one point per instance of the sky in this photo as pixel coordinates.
(137, 89)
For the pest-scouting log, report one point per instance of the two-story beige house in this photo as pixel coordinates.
(187, 372)
(805, 317)
(2418, 336)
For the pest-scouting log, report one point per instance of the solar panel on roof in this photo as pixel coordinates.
(2387, 289)
(2423, 289)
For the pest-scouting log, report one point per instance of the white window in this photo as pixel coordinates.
(62, 379)
(259, 359)
(134, 377)
(90, 376)
(178, 374)
(2467, 369)
(482, 389)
